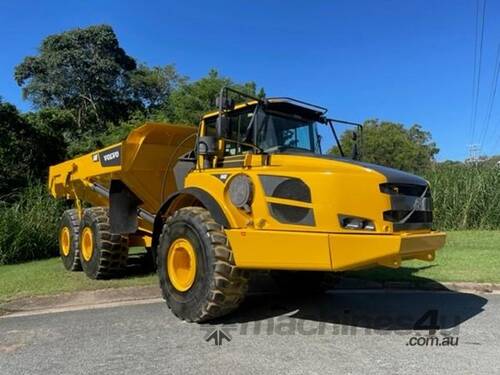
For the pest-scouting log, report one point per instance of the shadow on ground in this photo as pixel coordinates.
(350, 302)
(378, 309)
(402, 274)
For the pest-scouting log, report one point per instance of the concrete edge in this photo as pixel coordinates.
(353, 283)
(112, 297)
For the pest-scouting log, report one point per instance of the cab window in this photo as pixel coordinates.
(236, 133)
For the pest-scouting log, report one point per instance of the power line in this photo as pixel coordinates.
(474, 72)
(479, 61)
(491, 101)
(495, 145)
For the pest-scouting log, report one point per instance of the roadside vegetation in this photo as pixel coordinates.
(29, 226)
(465, 196)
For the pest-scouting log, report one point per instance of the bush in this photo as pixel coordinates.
(465, 196)
(29, 227)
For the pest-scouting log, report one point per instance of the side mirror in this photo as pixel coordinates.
(222, 126)
(207, 146)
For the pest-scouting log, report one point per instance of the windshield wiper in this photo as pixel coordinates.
(280, 148)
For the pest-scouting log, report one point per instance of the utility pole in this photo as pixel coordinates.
(474, 150)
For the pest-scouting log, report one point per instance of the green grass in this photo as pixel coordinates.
(48, 276)
(468, 256)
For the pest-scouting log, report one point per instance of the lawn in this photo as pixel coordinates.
(468, 256)
(49, 277)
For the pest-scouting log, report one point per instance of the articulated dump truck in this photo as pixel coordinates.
(249, 189)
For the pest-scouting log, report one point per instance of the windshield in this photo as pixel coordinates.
(277, 132)
(258, 129)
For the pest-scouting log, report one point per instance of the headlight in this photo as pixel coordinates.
(358, 223)
(241, 191)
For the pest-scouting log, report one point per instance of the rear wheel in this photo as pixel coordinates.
(195, 265)
(103, 254)
(69, 233)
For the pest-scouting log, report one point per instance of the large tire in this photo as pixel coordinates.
(69, 235)
(218, 286)
(103, 254)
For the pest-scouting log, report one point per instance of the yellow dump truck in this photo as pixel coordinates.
(249, 189)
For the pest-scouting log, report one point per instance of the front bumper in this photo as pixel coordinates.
(350, 251)
(265, 249)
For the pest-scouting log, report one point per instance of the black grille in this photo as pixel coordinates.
(411, 206)
(405, 189)
(415, 217)
(294, 189)
(287, 214)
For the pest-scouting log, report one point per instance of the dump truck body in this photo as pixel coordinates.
(287, 210)
(136, 162)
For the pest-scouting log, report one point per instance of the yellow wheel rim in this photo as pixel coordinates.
(181, 264)
(87, 245)
(65, 241)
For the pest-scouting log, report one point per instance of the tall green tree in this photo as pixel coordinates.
(153, 86)
(393, 145)
(27, 148)
(193, 99)
(81, 70)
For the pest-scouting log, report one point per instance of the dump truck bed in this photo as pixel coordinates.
(143, 162)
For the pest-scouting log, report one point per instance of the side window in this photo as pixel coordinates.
(237, 132)
(210, 126)
(298, 137)
(238, 127)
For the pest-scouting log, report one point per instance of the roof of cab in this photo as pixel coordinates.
(283, 104)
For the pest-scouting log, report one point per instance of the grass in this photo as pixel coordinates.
(468, 256)
(44, 277)
(472, 256)
(29, 226)
(465, 197)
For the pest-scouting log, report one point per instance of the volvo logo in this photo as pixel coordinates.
(111, 157)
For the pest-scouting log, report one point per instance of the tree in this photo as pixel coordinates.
(29, 144)
(153, 86)
(18, 149)
(81, 70)
(393, 145)
(53, 128)
(193, 99)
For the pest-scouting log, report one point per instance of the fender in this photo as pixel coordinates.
(199, 194)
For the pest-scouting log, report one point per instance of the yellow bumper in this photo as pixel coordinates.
(350, 251)
(262, 249)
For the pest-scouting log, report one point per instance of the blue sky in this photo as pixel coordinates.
(404, 61)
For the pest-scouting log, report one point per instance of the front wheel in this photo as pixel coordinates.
(196, 269)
